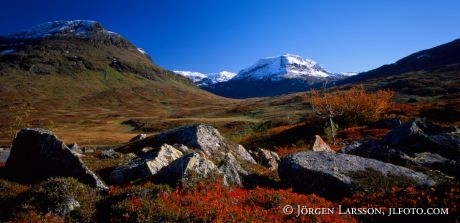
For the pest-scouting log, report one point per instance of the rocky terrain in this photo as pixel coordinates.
(417, 153)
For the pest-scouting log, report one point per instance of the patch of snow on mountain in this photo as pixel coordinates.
(285, 66)
(79, 28)
(201, 79)
(142, 51)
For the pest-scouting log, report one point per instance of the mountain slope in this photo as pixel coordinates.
(71, 71)
(426, 60)
(274, 76)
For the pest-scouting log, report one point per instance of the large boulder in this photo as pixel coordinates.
(145, 166)
(421, 136)
(197, 137)
(335, 175)
(373, 149)
(188, 170)
(266, 158)
(318, 144)
(37, 154)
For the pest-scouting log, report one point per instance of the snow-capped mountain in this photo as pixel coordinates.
(282, 67)
(75, 28)
(201, 79)
(276, 75)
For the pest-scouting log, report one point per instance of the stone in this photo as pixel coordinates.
(244, 154)
(37, 154)
(108, 153)
(421, 136)
(332, 175)
(232, 171)
(188, 170)
(437, 162)
(4, 154)
(373, 149)
(138, 137)
(146, 166)
(266, 158)
(318, 144)
(75, 148)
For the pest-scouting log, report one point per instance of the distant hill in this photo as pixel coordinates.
(427, 60)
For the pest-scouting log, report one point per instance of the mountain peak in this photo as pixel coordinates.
(76, 28)
(201, 79)
(281, 67)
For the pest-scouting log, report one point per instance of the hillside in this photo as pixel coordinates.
(77, 75)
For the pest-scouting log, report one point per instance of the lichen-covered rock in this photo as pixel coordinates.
(37, 154)
(232, 171)
(333, 175)
(147, 165)
(266, 158)
(188, 170)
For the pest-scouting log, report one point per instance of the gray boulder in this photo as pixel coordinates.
(243, 154)
(373, 149)
(232, 171)
(108, 153)
(188, 170)
(318, 144)
(436, 162)
(335, 175)
(266, 158)
(421, 136)
(37, 154)
(147, 165)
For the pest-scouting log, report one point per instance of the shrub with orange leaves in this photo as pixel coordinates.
(353, 106)
(217, 203)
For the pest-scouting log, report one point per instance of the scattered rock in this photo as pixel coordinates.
(147, 165)
(420, 136)
(109, 153)
(138, 137)
(75, 148)
(437, 162)
(318, 144)
(332, 174)
(232, 171)
(244, 154)
(188, 170)
(38, 154)
(373, 149)
(87, 150)
(266, 158)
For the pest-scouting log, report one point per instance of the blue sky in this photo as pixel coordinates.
(215, 35)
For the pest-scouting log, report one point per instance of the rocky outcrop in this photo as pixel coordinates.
(422, 136)
(188, 170)
(318, 144)
(335, 175)
(198, 137)
(37, 154)
(414, 144)
(266, 158)
(146, 165)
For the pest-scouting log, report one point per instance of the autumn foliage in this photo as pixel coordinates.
(352, 106)
(217, 203)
